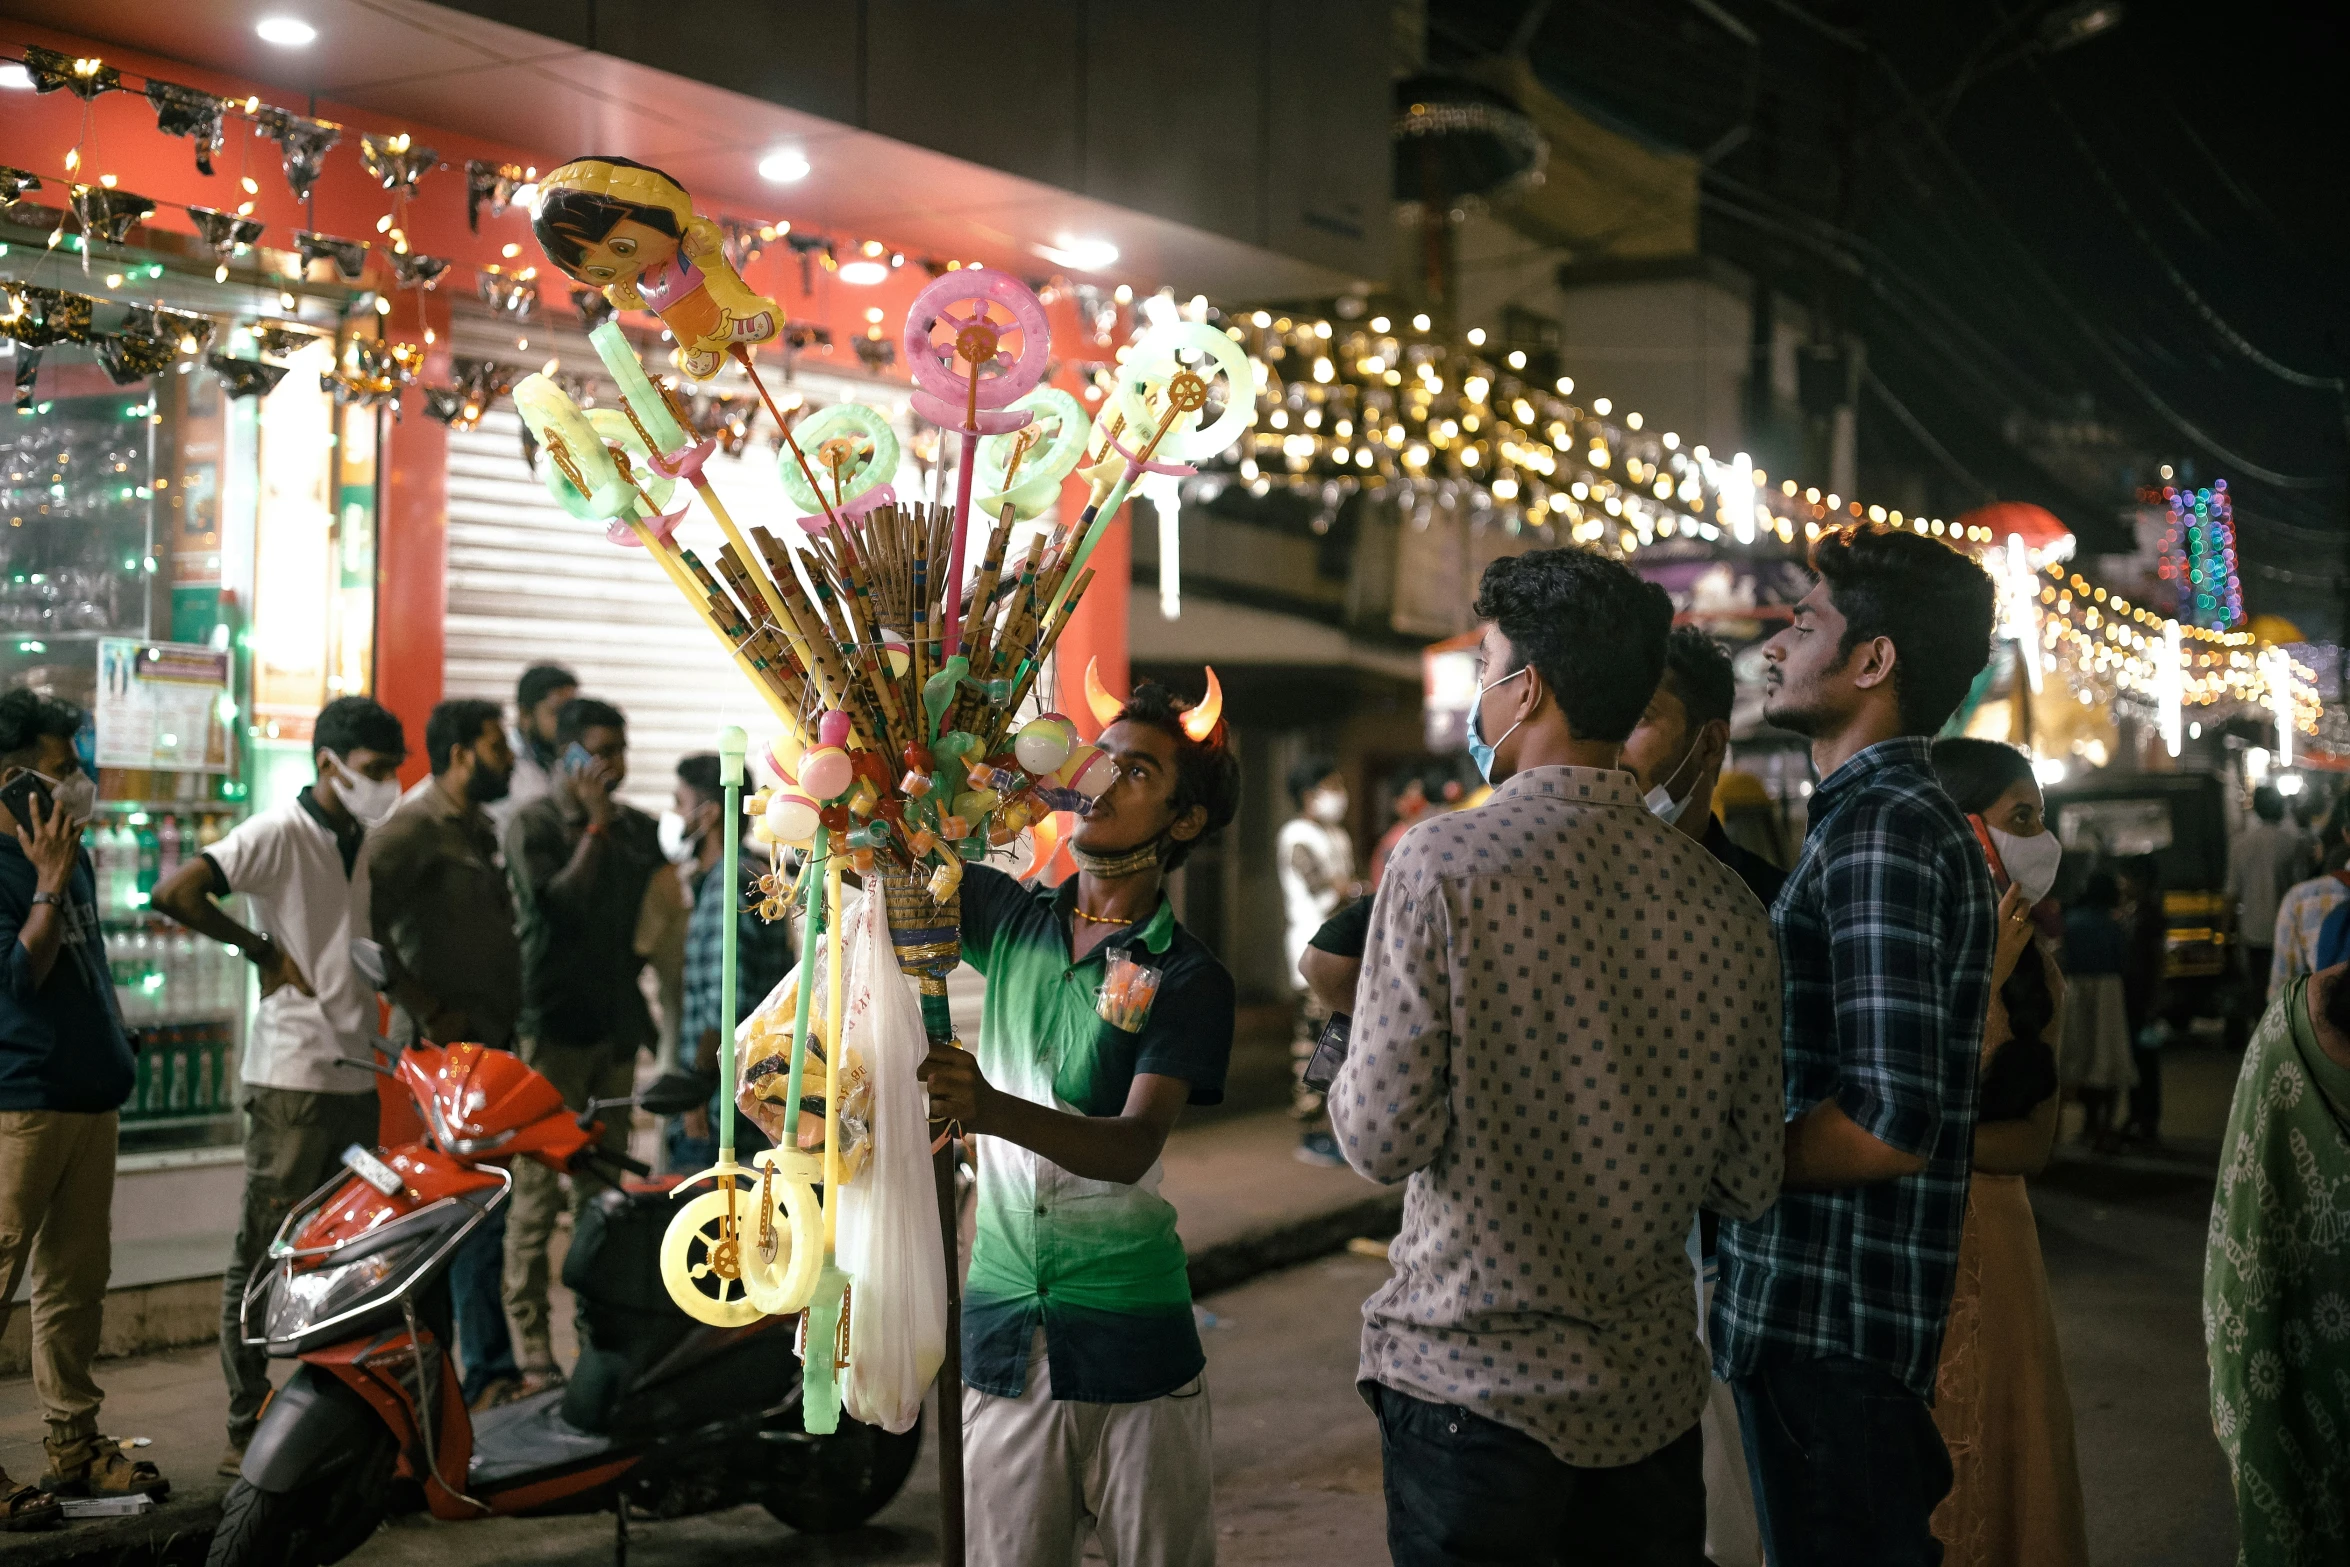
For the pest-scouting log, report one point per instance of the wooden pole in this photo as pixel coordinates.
(950, 1370)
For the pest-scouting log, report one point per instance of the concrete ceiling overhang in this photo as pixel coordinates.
(442, 68)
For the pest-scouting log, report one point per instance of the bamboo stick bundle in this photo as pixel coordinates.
(1044, 651)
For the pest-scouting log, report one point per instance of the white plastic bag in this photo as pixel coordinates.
(889, 1238)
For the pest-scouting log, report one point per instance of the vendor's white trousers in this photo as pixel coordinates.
(1041, 1475)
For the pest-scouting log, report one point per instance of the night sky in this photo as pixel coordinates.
(2071, 265)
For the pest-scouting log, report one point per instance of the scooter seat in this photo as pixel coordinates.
(529, 1434)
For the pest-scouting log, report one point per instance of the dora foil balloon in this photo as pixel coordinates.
(632, 232)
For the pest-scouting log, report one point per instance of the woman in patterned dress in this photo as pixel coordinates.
(2276, 1282)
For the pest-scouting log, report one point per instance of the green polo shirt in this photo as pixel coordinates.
(1096, 1263)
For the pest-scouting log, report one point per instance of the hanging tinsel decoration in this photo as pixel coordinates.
(280, 341)
(510, 293)
(245, 377)
(396, 161)
(490, 185)
(475, 384)
(806, 247)
(144, 345)
(876, 354)
(109, 214)
(16, 184)
(304, 141)
(85, 78)
(594, 309)
(348, 255)
(183, 111)
(226, 232)
(799, 336)
(45, 316)
(28, 371)
(413, 270)
(742, 241)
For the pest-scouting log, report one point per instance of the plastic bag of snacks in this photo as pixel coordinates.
(889, 1236)
(762, 1045)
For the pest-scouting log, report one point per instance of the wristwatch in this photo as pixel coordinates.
(55, 900)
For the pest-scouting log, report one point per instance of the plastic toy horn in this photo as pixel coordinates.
(967, 378)
(856, 455)
(702, 1252)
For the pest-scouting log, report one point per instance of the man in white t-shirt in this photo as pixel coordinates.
(309, 1093)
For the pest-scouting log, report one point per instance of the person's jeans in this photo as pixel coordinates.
(1847, 1465)
(485, 1347)
(1464, 1490)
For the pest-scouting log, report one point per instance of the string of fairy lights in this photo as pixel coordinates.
(1385, 401)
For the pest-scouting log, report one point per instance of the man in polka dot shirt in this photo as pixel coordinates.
(1567, 1037)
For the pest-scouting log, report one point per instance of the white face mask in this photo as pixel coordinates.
(2031, 862)
(76, 794)
(370, 801)
(675, 845)
(1660, 799)
(1327, 806)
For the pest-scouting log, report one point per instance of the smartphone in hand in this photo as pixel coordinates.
(18, 795)
(577, 758)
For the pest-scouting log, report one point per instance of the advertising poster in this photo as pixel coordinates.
(160, 706)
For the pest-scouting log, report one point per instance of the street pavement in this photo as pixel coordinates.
(1297, 1461)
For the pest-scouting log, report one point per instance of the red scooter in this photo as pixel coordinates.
(662, 1415)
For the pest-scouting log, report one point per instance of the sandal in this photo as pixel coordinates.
(26, 1507)
(106, 1472)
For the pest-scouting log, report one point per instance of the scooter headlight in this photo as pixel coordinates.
(302, 1299)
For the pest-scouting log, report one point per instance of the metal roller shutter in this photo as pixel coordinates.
(527, 583)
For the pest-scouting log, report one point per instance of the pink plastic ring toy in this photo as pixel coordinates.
(978, 307)
(947, 414)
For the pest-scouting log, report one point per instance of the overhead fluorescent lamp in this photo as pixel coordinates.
(1081, 255)
(287, 32)
(785, 166)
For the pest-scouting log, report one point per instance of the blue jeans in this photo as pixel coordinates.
(484, 1346)
(1847, 1465)
(1464, 1490)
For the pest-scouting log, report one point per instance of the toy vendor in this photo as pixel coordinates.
(1084, 1401)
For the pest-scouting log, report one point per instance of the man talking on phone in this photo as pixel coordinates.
(580, 861)
(65, 1070)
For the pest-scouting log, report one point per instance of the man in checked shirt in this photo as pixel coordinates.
(1567, 1036)
(1828, 1319)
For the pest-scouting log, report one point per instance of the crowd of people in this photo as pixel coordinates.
(511, 900)
(1714, 1244)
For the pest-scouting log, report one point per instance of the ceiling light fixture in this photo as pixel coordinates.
(1080, 255)
(287, 32)
(863, 273)
(784, 166)
(15, 78)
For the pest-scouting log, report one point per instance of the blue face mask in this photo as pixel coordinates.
(1480, 752)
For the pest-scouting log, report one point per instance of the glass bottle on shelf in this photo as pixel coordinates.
(150, 865)
(168, 839)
